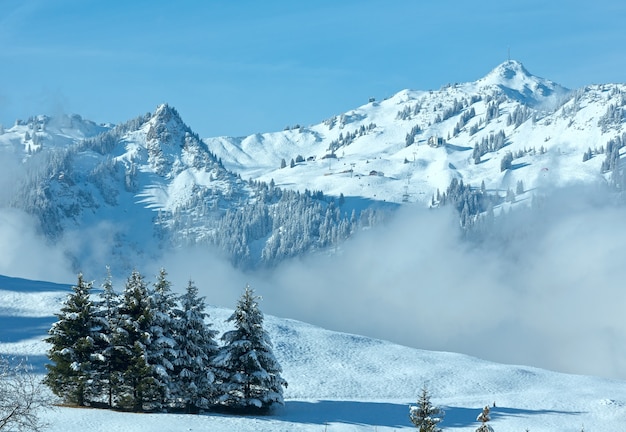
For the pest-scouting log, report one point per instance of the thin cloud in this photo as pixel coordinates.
(26, 254)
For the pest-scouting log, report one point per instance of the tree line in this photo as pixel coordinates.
(148, 349)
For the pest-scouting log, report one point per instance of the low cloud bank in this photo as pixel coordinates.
(546, 290)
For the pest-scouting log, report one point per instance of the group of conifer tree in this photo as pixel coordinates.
(148, 349)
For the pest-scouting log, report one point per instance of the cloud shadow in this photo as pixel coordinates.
(26, 285)
(18, 328)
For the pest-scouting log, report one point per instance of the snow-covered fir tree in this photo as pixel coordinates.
(248, 372)
(484, 418)
(106, 316)
(71, 373)
(138, 390)
(161, 345)
(141, 351)
(424, 415)
(193, 378)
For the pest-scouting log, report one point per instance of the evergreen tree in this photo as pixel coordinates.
(138, 388)
(106, 316)
(510, 195)
(248, 371)
(193, 377)
(424, 415)
(484, 418)
(72, 353)
(161, 346)
(506, 162)
(476, 154)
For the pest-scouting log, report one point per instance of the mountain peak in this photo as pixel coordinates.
(515, 80)
(164, 113)
(508, 71)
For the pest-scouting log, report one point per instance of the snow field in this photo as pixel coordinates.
(341, 382)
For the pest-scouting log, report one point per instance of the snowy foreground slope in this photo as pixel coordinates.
(342, 382)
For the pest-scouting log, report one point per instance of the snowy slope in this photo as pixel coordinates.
(29, 136)
(344, 382)
(558, 124)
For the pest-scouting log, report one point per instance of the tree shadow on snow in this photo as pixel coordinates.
(465, 417)
(519, 165)
(386, 414)
(359, 203)
(381, 414)
(453, 147)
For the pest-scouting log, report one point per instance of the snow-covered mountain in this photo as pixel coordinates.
(547, 129)
(152, 184)
(341, 382)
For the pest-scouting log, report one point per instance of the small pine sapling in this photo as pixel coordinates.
(424, 415)
(484, 418)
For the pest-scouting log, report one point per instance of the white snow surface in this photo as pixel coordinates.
(342, 382)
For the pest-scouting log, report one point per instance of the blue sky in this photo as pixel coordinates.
(246, 66)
